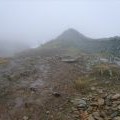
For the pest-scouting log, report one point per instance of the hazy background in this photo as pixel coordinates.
(32, 22)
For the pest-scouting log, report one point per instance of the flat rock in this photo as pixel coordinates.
(79, 102)
(116, 96)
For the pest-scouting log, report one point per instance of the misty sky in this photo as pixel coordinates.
(34, 21)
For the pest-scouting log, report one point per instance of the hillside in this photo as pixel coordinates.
(71, 41)
(47, 84)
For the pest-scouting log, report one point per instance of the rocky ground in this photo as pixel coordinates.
(102, 105)
(45, 88)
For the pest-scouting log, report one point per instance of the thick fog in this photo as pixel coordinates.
(33, 22)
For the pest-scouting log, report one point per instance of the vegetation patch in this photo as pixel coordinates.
(3, 61)
(82, 83)
(106, 71)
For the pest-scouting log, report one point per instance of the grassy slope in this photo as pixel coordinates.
(106, 47)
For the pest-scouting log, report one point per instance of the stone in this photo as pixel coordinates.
(69, 60)
(79, 102)
(76, 112)
(47, 112)
(52, 117)
(96, 115)
(109, 111)
(116, 96)
(90, 117)
(101, 101)
(100, 91)
(82, 104)
(93, 88)
(25, 118)
(94, 104)
(108, 102)
(107, 108)
(90, 109)
(56, 94)
(118, 107)
(114, 105)
(60, 108)
(107, 82)
(76, 115)
(103, 115)
(117, 118)
(116, 102)
(74, 109)
(114, 114)
(95, 84)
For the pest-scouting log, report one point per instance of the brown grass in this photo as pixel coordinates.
(82, 83)
(106, 71)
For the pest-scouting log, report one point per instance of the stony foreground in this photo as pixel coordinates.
(97, 107)
(35, 88)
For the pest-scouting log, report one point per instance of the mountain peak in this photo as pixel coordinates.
(71, 34)
(71, 30)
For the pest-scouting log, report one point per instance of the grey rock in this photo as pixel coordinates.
(116, 96)
(82, 104)
(79, 102)
(114, 114)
